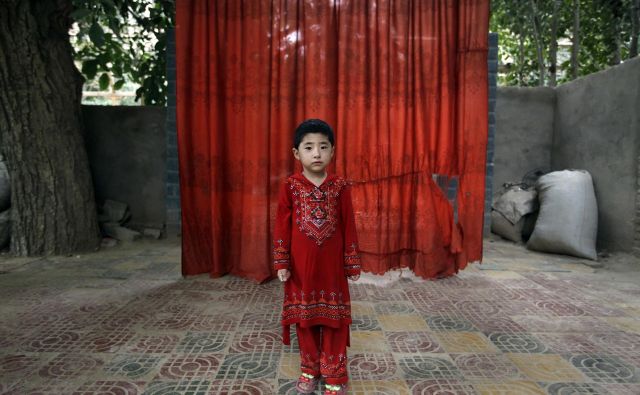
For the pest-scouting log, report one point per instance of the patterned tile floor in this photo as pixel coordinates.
(123, 321)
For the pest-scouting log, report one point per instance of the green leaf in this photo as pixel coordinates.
(79, 14)
(160, 45)
(118, 84)
(104, 81)
(109, 5)
(139, 93)
(102, 58)
(114, 25)
(90, 68)
(96, 34)
(102, 46)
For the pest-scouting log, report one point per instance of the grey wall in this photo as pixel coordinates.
(598, 129)
(127, 153)
(524, 133)
(592, 123)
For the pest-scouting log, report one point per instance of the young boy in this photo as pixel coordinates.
(315, 250)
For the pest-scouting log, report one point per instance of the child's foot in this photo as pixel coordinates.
(330, 389)
(306, 383)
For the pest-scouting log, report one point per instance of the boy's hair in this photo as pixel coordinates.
(312, 126)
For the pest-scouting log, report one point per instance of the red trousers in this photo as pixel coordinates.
(323, 351)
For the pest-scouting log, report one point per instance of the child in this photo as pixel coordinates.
(315, 250)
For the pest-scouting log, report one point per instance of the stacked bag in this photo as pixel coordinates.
(567, 219)
(514, 212)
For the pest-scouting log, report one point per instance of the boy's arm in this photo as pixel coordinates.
(282, 231)
(351, 252)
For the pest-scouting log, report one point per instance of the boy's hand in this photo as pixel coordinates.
(354, 278)
(284, 274)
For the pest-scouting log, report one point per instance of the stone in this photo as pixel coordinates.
(108, 242)
(113, 229)
(152, 232)
(5, 187)
(116, 211)
(5, 228)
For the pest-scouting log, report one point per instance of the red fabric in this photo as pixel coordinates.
(315, 239)
(404, 83)
(323, 351)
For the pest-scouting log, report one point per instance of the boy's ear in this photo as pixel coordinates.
(296, 154)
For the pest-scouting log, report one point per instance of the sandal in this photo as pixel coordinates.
(340, 389)
(306, 385)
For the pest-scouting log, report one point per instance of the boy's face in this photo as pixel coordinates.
(315, 153)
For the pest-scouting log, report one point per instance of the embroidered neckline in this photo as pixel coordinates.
(326, 177)
(329, 179)
(315, 207)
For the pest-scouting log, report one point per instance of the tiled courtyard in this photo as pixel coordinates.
(123, 321)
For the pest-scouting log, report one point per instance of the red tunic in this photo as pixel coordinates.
(315, 238)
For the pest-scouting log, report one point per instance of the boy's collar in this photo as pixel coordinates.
(299, 176)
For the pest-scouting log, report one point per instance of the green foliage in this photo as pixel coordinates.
(124, 40)
(517, 49)
(604, 37)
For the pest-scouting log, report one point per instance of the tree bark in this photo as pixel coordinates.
(538, 39)
(41, 134)
(616, 58)
(635, 28)
(521, 59)
(575, 45)
(615, 40)
(553, 46)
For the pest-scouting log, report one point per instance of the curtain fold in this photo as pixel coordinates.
(403, 83)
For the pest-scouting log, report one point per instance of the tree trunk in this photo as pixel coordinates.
(538, 39)
(635, 28)
(553, 46)
(41, 135)
(616, 58)
(521, 59)
(575, 45)
(615, 38)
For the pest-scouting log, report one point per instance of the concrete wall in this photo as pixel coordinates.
(524, 133)
(127, 154)
(597, 122)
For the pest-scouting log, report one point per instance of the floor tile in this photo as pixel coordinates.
(605, 369)
(546, 368)
(402, 323)
(473, 342)
(125, 321)
(510, 387)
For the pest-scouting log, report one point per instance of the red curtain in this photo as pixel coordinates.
(403, 83)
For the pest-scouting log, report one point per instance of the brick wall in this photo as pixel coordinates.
(493, 89)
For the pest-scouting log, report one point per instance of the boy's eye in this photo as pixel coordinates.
(307, 148)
